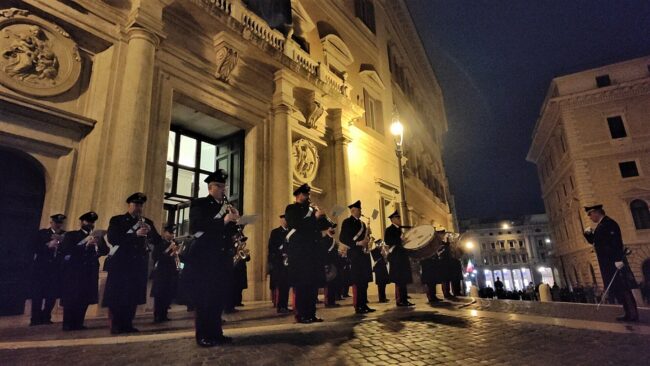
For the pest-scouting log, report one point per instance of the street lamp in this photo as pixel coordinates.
(397, 130)
(469, 245)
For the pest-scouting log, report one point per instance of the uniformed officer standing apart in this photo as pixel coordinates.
(277, 262)
(164, 274)
(45, 270)
(210, 262)
(380, 268)
(608, 244)
(329, 256)
(127, 266)
(303, 238)
(354, 234)
(80, 271)
(400, 265)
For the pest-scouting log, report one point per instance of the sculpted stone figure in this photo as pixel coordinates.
(30, 55)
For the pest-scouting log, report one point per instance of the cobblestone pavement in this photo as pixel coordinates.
(422, 336)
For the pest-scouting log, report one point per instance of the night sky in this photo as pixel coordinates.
(494, 60)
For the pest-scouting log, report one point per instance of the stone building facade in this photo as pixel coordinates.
(590, 146)
(104, 98)
(517, 251)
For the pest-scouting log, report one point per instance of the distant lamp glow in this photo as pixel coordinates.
(397, 130)
(548, 241)
(541, 269)
(469, 245)
(505, 226)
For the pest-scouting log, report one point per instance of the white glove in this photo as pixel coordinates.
(619, 265)
(589, 231)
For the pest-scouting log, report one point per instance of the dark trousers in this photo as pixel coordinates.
(281, 296)
(207, 319)
(234, 298)
(431, 292)
(122, 317)
(401, 293)
(381, 290)
(626, 298)
(331, 291)
(160, 307)
(360, 295)
(456, 287)
(73, 316)
(305, 301)
(42, 309)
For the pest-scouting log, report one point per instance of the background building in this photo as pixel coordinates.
(590, 146)
(100, 99)
(517, 251)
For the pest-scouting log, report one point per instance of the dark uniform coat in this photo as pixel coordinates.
(46, 263)
(304, 261)
(400, 265)
(329, 259)
(277, 248)
(80, 269)
(240, 275)
(165, 273)
(209, 264)
(127, 268)
(353, 230)
(380, 268)
(608, 244)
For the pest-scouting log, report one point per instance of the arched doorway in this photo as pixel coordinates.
(22, 190)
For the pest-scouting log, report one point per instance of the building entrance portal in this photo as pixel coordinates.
(22, 191)
(198, 145)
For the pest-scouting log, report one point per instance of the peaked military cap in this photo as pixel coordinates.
(170, 228)
(594, 207)
(137, 197)
(58, 218)
(394, 214)
(219, 176)
(305, 188)
(356, 204)
(90, 216)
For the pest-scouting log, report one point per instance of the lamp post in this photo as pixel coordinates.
(397, 130)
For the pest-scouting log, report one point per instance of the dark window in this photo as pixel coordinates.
(373, 115)
(628, 169)
(640, 214)
(493, 245)
(491, 234)
(616, 127)
(603, 81)
(542, 256)
(514, 258)
(524, 258)
(537, 230)
(540, 243)
(512, 244)
(504, 259)
(502, 244)
(365, 10)
(483, 245)
(521, 243)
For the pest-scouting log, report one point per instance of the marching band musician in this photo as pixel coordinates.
(210, 263)
(80, 271)
(130, 235)
(278, 266)
(380, 269)
(354, 234)
(45, 270)
(239, 284)
(400, 265)
(165, 273)
(303, 238)
(330, 258)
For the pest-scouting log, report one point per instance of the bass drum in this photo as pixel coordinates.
(420, 242)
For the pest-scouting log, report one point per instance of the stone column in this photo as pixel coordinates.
(341, 139)
(130, 128)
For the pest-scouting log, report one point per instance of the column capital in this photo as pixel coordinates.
(142, 33)
(147, 14)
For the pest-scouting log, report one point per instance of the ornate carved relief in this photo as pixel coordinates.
(226, 60)
(36, 57)
(315, 114)
(305, 160)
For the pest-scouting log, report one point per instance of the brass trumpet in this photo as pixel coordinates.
(239, 238)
